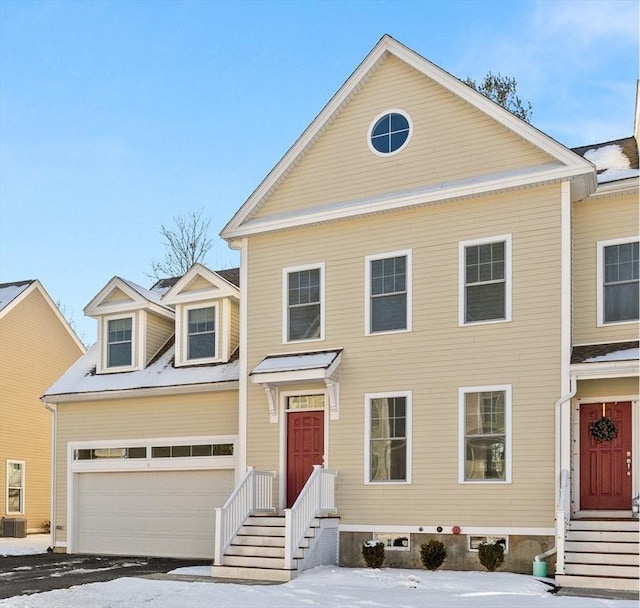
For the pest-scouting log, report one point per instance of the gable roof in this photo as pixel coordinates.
(614, 160)
(10, 291)
(217, 284)
(569, 165)
(138, 298)
(11, 294)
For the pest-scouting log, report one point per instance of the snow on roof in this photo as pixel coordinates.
(152, 296)
(288, 363)
(630, 354)
(81, 377)
(614, 160)
(10, 291)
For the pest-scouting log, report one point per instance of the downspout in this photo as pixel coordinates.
(573, 388)
(54, 423)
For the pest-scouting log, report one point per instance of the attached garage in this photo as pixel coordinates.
(156, 513)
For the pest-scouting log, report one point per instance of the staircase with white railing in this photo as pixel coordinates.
(253, 542)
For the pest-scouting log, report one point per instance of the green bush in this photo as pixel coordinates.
(491, 556)
(432, 554)
(373, 553)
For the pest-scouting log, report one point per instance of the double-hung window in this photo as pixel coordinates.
(618, 281)
(388, 296)
(304, 303)
(485, 434)
(15, 486)
(485, 280)
(201, 333)
(120, 342)
(388, 438)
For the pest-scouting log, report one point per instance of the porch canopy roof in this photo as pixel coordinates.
(297, 368)
(612, 360)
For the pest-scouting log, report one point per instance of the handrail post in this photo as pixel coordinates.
(288, 540)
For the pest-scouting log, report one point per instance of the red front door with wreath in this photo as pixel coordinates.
(605, 466)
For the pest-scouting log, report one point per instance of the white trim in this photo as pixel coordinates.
(600, 322)
(610, 369)
(282, 409)
(285, 301)
(23, 484)
(447, 529)
(407, 253)
(464, 390)
(243, 364)
(219, 287)
(221, 320)
(425, 195)
(367, 437)
(136, 343)
(462, 282)
(373, 124)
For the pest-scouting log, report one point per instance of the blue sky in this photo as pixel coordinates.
(116, 116)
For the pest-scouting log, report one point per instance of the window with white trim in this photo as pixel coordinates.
(303, 297)
(485, 280)
(389, 132)
(485, 434)
(388, 438)
(201, 333)
(618, 265)
(120, 342)
(388, 292)
(15, 486)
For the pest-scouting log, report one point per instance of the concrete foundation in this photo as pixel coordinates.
(519, 558)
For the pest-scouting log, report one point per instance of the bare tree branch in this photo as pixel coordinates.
(185, 243)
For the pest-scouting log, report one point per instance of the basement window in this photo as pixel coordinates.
(476, 541)
(394, 542)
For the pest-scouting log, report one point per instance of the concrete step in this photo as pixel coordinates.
(252, 574)
(254, 551)
(261, 531)
(603, 536)
(249, 561)
(618, 559)
(615, 525)
(597, 582)
(602, 570)
(265, 520)
(600, 547)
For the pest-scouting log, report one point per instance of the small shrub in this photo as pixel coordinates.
(432, 554)
(373, 553)
(491, 556)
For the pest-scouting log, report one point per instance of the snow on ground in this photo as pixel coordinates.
(33, 543)
(324, 587)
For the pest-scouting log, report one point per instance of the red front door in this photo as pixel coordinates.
(605, 474)
(305, 447)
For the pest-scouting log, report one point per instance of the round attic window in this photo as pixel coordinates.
(390, 132)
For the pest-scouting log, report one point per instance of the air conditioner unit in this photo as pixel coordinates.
(14, 527)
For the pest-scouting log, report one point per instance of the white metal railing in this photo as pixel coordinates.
(317, 497)
(253, 493)
(563, 516)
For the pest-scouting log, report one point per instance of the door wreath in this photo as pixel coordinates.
(603, 429)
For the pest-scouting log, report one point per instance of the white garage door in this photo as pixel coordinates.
(158, 513)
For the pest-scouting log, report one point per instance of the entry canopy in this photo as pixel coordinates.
(297, 368)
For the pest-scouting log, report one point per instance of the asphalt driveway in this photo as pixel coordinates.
(27, 574)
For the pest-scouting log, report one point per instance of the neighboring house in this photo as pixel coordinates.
(438, 300)
(37, 344)
(147, 419)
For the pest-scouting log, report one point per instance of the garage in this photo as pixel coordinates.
(150, 513)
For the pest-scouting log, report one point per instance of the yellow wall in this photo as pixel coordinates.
(169, 416)
(451, 140)
(159, 330)
(598, 219)
(433, 360)
(35, 349)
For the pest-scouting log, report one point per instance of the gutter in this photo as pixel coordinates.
(54, 424)
(573, 389)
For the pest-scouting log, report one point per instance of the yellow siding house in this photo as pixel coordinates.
(36, 346)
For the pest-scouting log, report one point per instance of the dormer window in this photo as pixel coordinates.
(201, 333)
(119, 342)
